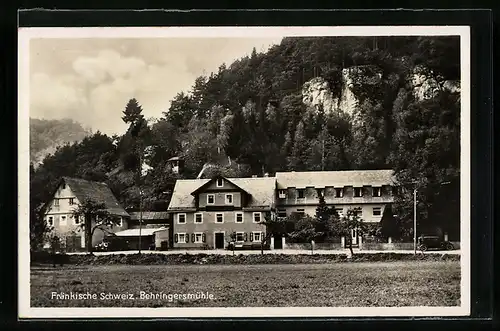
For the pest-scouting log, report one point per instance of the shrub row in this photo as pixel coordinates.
(151, 259)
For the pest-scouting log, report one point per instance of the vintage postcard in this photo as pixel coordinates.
(244, 172)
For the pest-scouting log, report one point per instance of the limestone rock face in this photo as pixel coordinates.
(318, 94)
(425, 86)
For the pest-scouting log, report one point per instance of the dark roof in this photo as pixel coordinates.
(321, 179)
(99, 192)
(202, 187)
(261, 190)
(150, 215)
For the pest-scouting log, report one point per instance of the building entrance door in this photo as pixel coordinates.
(219, 240)
(354, 236)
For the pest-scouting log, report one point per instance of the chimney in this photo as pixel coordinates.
(266, 174)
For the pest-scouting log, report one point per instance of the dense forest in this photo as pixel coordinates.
(318, 103)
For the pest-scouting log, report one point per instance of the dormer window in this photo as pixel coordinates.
(56, 202)
(358, 192)
(282, 194)
(377, 191)
(220, 182)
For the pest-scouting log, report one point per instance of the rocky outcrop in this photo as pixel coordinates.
(317, 93)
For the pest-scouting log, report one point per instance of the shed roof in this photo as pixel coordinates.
(320, 179)
(135, 232)
(97, 191)
(149, 215)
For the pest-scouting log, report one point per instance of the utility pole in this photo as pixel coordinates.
(323, 154)
(415, 221)
(140, 197)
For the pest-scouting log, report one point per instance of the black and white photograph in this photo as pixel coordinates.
(244, 171)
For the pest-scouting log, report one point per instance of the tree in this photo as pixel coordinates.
(95, 216)
(324, 218)
(304, 229)
(273, 224)
(132, 113)
(345, 225)
(297, 160)
(232, 240)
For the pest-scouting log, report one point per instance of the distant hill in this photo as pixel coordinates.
(47, 135)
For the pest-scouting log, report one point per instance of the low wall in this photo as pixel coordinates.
(394, 246)
(322, 246)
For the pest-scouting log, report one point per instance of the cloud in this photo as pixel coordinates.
(91, 81)
(107, 63)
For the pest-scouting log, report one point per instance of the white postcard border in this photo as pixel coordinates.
(25, 34)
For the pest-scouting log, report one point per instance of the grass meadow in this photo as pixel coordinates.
(392, 284)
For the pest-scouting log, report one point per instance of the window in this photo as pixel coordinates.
(240, 236)
(377, 191)
(394, 190)
(220, 182)
(358, 192)
(300, 193)
(239, 218)
(340, 211)
(71, 201)
(377, 211)
(120, 222)
(63, 186)
(210, 199)
(76, 220)
(219, 218)
(281, 212)
(50, 221)
(256, 217)
(56, 202)
(229, 199)
(339, 192)
(198, 218)
(321, 192)
(257, 236)
(301, 212)
(358, 212)
(63, 220)
(181, 238)
(282, 194)
(198, 237)
(181, 218)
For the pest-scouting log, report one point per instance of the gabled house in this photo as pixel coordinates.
(207, 211)
(66, 198)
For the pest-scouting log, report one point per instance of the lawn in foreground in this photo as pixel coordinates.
(415, 283)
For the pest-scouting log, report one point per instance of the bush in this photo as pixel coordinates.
(172, 259)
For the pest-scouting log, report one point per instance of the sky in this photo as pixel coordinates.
(91, 80)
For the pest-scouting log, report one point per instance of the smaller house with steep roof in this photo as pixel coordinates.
(66, 198)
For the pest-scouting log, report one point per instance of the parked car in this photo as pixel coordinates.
(101, 247)
(435, 242)
(112, 244)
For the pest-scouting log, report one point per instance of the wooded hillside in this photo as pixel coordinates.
(318, 103)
